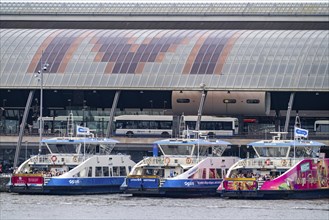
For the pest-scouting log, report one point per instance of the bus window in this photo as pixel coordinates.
(321, 126)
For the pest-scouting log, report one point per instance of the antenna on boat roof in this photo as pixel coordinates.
(278, 134)
(298, 124)
(182, 126)
(70, 125)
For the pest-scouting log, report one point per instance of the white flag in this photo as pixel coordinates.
(299, 132)
(82, 130)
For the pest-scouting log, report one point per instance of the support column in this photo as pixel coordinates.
(203, 98)
(22, 126)
(277, 120)
(286, 125)
(114, 106)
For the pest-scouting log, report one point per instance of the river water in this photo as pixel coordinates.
(13, 206)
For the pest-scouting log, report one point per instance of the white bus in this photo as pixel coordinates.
(162, 125)
(321, 126)
(214, 126)
(131, 125)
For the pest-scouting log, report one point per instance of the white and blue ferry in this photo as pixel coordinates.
(180, 168)
(74, 165)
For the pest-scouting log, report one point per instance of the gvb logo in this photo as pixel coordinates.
(189, 183)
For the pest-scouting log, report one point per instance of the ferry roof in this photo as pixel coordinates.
(202, 142)
(75, 140)
(286, 143)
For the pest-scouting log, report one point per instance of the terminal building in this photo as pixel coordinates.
(263, 69)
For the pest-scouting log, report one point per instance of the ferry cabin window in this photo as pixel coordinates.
(157, 172)
(62, 148)
(219, 173)
(116, 171)
(123, 171)
(272, 151)
(203, 151)
(98, 171)
(177, 150)
(106, 171)
(90, 172)
(304, 151)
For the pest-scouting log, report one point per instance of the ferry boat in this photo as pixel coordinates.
(282, 169)
(74, 165)
(186, 168)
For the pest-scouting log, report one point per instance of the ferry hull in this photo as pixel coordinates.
(276, 194)
(174, 192)
(71, 186)
(308, 179)
(66, 190)
(172, 188)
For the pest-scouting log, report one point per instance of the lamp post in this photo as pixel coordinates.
(40, 78)
(25, 150)
(4, 114)
(151, 102)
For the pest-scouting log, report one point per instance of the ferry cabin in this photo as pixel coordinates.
(178, 156)
(274, 157)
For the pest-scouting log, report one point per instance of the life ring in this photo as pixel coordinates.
(75, 159)
(268, 162)
(53, 158)
(188, 160)
(284, 163)
(167, 160)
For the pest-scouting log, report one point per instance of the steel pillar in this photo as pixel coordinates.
(22, 126)
(203, 98)
(286, 125)
(114, 106)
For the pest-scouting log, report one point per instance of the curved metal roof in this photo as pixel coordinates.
(166, 59)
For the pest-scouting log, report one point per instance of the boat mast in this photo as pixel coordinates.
(182, 126)
(70, 125)
(298, 125)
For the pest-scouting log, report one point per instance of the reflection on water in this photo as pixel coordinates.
(13, 206)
